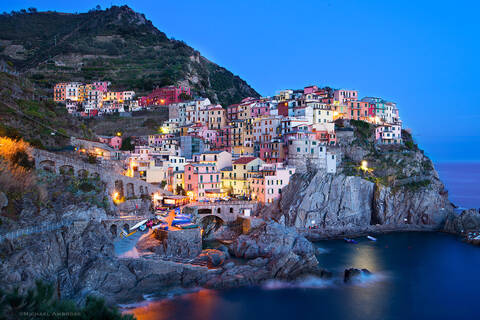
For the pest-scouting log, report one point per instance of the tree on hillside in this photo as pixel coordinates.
(127, 144)
(185, 97)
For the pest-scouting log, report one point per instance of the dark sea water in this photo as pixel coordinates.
(415, 276)
(462, 181)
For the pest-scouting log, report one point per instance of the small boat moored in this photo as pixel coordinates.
(139, 224)
(371, 238)
(348, 240)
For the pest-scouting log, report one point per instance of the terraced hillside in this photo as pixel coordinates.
(116, 44)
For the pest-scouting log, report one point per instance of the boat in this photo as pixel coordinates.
(180, 221)
(371, 238)
(183, 216)
(188, 226)
(138, 224)
(348, 240)
(125, 234)
(163, 226)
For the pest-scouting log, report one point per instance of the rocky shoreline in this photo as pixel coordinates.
(333, 234)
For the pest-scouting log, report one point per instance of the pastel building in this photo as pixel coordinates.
(309, 153)
(59, 92)
(165, 96)
(235, 178)
(202, 181)
(388, 134)
(344, 95)
(113, 141)
(266, 185)
(217, 118)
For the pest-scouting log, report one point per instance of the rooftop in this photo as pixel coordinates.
(244, 160)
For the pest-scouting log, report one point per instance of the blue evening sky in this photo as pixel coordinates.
(421, 54)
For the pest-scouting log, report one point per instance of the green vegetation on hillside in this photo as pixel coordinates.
(388, 165)
(42, 302)
(117, 45)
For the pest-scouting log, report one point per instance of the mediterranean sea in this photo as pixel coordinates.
(414, 276)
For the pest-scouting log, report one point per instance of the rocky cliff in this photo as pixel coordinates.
(80, 261)
(400, 190)
(468, 220)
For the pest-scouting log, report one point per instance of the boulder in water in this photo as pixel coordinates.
(353, 273)
(213, 257)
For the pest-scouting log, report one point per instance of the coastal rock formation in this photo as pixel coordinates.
(82, 262)
(185, 244)
(339, 203)
(468, 220)
(352, 274)
(284, 251)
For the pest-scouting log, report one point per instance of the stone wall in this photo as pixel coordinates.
(115, 182)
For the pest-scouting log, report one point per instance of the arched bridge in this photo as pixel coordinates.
(115, 225)
(115, 182)
(228, 211)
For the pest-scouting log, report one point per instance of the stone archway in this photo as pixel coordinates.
(66, 170)
(119, 188)
(211, 223)
(126, 227)
(113, 230)
(47, 165)
(141, 190)
(205, 211)
(130, 190)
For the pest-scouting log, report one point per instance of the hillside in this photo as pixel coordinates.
(116, 44)
(25, 114)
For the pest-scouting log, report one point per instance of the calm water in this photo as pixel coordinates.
(462, 181)
(415, 276)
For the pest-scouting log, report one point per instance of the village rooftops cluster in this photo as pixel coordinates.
(251, 149)
(95, 99)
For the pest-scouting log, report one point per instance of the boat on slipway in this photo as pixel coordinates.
(138, 225)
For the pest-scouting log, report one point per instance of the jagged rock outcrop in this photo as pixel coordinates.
(340, 203)
(327, 200)
(83, 262)
(468, 220)
(185, 244)
(352, 274)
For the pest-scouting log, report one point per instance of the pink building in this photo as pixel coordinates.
(388, 134)
(202, 179)
(115, 142)
(310, 89)
(273, 151)
(260, 109)
(344, 95)
(164, 96)
(267, 185)
(101, 85)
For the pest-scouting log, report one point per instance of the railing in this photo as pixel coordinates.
(241, 202)
(33, 230)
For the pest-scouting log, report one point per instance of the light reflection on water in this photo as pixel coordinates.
(415, 276)
(196, 305)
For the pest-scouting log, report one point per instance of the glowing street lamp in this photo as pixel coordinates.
(364, 165)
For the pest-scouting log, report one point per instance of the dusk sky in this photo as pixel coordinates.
(420, 54)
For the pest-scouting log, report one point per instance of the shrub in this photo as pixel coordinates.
(42, 299)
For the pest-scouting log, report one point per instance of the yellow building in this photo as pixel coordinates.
(235, 179)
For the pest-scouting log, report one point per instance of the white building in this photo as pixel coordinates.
(305, 153)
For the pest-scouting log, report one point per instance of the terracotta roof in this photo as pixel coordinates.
(244, 160)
